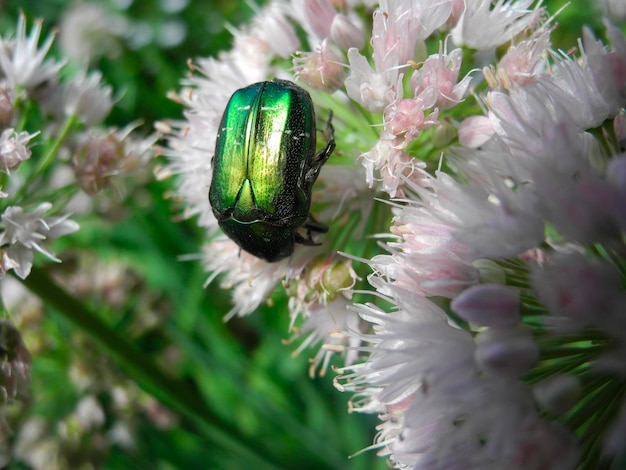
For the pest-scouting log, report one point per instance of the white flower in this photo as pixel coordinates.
(326, 325)
(89, 413)
(251, 278)
(88, 98)
(372, 89)
(88, 31)
(14, 148)
(386, 163)
(481, 228)
(25, 232)
(485, 25)
(321, 69)
(488, 305)
(440, 72)
(22, 61)
(400, 25)
(319, 16)
(273, 26)
(523, 62)
(320, 298)
(615, 9)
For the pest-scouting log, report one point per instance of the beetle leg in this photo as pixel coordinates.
(321, 156)
(311, 225)
(329, 134)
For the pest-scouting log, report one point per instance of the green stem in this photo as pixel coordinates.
(47, 159)
(348, 115)
(173, 393)
(574, 364)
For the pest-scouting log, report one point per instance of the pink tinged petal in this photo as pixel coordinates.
(608, 67)
(574, 288)
(542, 445)
(485, 24)
(475, 131)
(405, 115)
(320, 15)
(405, 118)
(619, 126)
(345, 34)
(557, 394)
(279, 33)
(584, 87)
(457, 9)
(321, 69)
(488, 305)
(364, 85)
(7, 109)
(384, 55)
(400, 25)
(587, 210)
(440, 73)
(508, 352)
(523, 62)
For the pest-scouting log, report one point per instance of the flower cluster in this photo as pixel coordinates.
(109, 406)
(496, 312)
(54, 158)
(38, 181)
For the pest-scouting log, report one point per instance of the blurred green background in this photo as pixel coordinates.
(255, 392)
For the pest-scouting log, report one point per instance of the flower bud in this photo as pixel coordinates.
(489, 272)
(15, 364)
(89, 413)
(557, 394)
(443, 135)
(615, 9)
(509, 352)
(475, 131)
(88, 98)
(345, 34)
(96, 161)
(488, 305)
(319, 14)
(14, 148)
(321, 69)
(619, 127)
(326, 279)
(6, 108)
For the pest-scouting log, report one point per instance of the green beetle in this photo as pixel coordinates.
(264, 168)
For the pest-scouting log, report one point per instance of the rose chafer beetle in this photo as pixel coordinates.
(264, 168)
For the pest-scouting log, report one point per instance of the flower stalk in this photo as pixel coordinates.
(172, 392)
